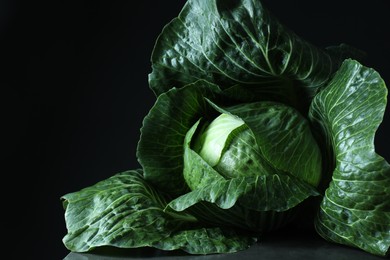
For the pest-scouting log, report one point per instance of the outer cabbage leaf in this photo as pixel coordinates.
(207, 241)
(121, 211)
(125, 212)
(160, 149)
(240, 46)
(356, 208)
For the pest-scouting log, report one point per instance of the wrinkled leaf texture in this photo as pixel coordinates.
(242, 48)
(356, 208)
(126, 212)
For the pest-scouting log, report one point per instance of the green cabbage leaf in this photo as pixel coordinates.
(355, 210)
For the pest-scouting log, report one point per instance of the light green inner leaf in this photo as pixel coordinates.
(213, 139)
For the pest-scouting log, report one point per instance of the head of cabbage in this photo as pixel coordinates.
(255, 161)
(250, 123)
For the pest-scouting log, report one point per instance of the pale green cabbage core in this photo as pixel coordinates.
(213, 139)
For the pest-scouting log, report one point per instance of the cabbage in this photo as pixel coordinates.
(250, 123)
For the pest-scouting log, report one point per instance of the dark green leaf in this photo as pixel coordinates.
(261, 193)
(122, 211)
(160, 149)
(238, 43)
(356, 208)
(125, 212)
(207, 241)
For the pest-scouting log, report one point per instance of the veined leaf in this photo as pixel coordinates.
(283, 137)
(241, 47)
(122, 211)
(207, 241)
(356, 208)
(126, 212)
(160, 149)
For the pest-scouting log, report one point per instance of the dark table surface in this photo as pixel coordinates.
(280, 245)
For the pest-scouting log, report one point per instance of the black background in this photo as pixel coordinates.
(74, 93)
